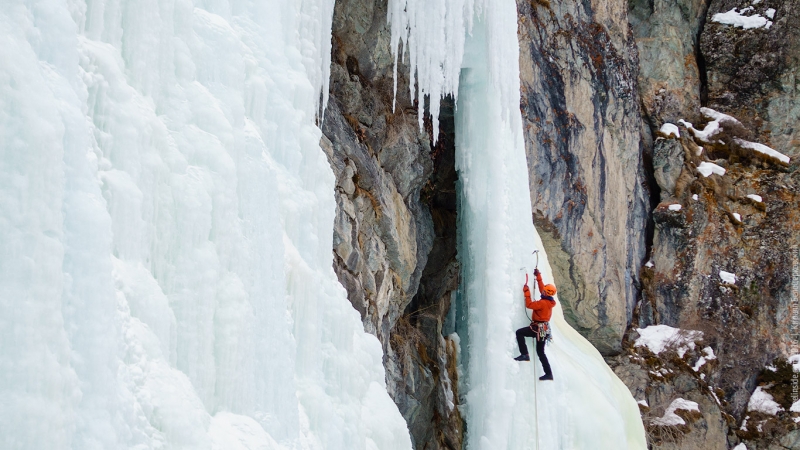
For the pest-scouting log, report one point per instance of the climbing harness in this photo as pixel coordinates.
(541, 331)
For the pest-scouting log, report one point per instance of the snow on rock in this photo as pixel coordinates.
(649, 264)
(755, 197)
(670, 418)
(763, 149)
(710, 130)
(736, 19)
(770, 13)
(675, 207)
(737, 216)
(741, 445)
(695, 197)
(718, 116)
(658, 338)
(727, 277)
(795, 406)
(670, 130)
(643, 403)
(713, 127)
(708, 355)
(763, 402)
(707, 168)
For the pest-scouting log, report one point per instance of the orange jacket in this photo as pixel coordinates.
(542, 309)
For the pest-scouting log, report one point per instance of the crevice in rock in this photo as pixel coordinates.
(429, 392)
(700, 58)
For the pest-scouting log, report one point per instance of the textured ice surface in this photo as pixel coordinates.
(165, 233)
(433, 34)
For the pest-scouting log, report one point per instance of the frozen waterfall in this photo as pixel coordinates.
(166, 211)
(166, 220)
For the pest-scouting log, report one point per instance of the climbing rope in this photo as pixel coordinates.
(535, 378)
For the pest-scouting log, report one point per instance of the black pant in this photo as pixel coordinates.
(524, 332)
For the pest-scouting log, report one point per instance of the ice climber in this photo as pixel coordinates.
(539, 328)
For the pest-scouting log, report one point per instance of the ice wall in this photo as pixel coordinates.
(165, 233)
(586, 406)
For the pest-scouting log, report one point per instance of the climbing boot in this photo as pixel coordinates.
(522, 358)
(547, 376)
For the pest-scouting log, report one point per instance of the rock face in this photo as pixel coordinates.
(580, 107)
(670, 78)
(394, 234)
(705, 225)
(745, 323)
(382, 233)
(608, 188)
(754, 74)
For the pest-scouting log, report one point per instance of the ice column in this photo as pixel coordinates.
(586, 406)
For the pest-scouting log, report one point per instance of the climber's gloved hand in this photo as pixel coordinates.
(536, 272)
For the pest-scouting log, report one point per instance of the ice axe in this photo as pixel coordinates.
(535, 252)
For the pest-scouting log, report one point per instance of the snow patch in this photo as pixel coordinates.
(649, 264)
(670, 130)
(727, 277)
(741, 445)
(755, 197)
(712, 128)
(763, 149)
(658, 337)
(643, 403)
(670, 418)
(707, 168)
(708, 356)
(736, 19)
(770, 13)
(763, 402)
(737, 216)
(675, 207)
(695, 197)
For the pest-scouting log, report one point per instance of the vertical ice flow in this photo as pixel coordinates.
(433, 34)
(586, 406)
(165, 233)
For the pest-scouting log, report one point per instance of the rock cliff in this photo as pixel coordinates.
(580, 106)
(395, 233)
(611, 189)
(726, 228)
